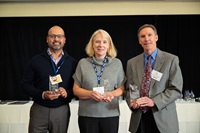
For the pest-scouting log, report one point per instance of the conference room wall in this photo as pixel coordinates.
(98, 8)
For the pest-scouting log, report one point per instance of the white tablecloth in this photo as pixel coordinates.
(15, 118)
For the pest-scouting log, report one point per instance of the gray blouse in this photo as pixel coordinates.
(113, 77)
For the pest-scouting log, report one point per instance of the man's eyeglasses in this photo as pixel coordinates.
(53, 36)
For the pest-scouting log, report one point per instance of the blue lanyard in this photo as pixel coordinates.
(102, 69)
(56, 69)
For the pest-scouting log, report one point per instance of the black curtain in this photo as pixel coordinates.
(24, 37)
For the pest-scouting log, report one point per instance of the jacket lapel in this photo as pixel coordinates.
(158, 64)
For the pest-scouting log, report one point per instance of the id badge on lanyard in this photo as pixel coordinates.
(56, 79)
(99, 89)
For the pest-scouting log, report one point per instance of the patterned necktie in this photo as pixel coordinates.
(146, 82)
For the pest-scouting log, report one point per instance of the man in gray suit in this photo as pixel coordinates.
(165, 87)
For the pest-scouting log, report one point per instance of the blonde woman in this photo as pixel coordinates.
(99, 80)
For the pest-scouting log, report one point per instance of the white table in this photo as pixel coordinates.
(189, 117)
(15, 118)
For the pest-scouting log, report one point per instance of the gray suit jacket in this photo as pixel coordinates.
(163, 92)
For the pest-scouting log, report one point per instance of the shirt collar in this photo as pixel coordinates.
(50, 54)
(153, 55)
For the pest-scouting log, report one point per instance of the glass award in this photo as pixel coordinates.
(134, 92)
(53, 86)
(187, 95)
(192, 96)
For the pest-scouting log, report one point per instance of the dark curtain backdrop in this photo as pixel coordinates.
(23, 37)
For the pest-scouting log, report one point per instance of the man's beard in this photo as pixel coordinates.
(55, 48)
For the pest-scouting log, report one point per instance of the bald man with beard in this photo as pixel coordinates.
(50, 111)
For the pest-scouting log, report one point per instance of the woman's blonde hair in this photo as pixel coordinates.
(112, 51)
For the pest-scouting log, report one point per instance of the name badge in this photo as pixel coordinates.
(156, 75)
(55, 79)
(99, 89)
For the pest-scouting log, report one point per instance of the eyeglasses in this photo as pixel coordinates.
(53, 36)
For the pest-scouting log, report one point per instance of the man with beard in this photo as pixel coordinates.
(48, 80)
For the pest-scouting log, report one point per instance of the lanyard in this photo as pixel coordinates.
(102, 69)
(56, 69)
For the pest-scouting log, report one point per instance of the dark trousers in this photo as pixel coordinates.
(147, 123)
(49, 120)
(98, 125)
